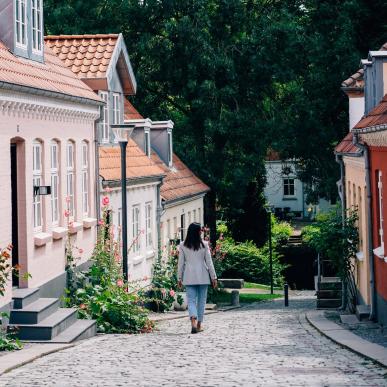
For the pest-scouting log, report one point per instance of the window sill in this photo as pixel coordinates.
(75, 227)
(137, 260)
(89, 222)
(379, 252)
(290, 198)
(360, 256)
(42, 238)
(59, 232)
(150, 254)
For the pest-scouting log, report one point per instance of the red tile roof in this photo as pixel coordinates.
(138, 165)
(347, 146)
(88, 56)
(130, 112)
(272, 155)
(377, 117)
(180, 182)
(51, 75)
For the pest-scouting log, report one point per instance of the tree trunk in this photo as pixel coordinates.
(210, 214)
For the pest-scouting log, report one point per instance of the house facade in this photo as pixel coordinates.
(102, 62)
(47, 140)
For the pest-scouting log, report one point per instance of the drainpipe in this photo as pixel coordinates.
(364, 149)
(339, 159)
(158, 217)
(97, 182)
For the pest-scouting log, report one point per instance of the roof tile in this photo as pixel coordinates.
(347, 146)
(376, 117)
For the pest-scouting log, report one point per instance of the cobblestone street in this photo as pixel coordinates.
(258, 345)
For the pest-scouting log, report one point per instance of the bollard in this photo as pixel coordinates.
(286, 294)
(235, 298)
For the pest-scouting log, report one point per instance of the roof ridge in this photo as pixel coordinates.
(84, 36)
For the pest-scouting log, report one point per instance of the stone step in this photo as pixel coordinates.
(329, 303)
(47, 329)
(80, 330)
(363, 312)
(23, 297)
(328, 294)
(330, 283)
(34, 312)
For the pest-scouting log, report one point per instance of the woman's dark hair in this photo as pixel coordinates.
(193, 240)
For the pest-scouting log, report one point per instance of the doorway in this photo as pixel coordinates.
(15, 222)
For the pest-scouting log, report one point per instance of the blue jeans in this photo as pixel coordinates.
(197, 297)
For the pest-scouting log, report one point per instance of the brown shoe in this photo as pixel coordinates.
(194, 328)
(199, 327)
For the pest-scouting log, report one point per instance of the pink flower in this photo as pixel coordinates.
(120, 283)
(80, 251)
(145, 278)
(100, 222)
(68, 199)
(67, 213)
(172, 293)
(82, 306)
(105, 201)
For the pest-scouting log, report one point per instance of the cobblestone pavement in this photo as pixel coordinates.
(259, 345)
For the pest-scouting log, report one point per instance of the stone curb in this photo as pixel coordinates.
(17, 359)
(347, 339)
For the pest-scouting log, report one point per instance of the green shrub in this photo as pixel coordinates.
(8, 340)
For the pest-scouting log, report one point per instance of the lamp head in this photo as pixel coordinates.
(123, 132)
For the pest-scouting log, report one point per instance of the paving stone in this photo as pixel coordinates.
(262, 344)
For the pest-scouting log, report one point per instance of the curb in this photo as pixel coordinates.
(347, 339)
(17, 359)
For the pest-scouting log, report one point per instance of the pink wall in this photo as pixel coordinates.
(76, 123)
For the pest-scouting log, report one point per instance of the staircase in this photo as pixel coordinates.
(38, 319)
(295, 240)
(329, 291)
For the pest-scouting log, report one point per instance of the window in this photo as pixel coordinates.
(37, 181)
(169, 229)
(194, 215)
(174, 228)
(289, 187)
(21, 23)
(54, 151)
(37, 25)
(85, 178)
(200, 215)
(147, 143)
(170, 148)
(116, 109)
(136, 228)
(104, 119)
(189, 218)
(148, 224)
(70, 180)
(182, 226)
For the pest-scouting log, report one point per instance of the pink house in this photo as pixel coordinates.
(47, 131)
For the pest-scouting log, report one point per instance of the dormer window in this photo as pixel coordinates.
(21, 23)
(147, 143)
(170, 149)
(37, 25)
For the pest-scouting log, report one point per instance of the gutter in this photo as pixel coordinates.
(159, 211)
(132, 180)
(370, 129)
(185, 198)
(48, 93)
(364, 148)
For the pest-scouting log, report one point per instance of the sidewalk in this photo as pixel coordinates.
(347, 339)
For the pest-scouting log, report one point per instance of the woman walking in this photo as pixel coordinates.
(196, 271)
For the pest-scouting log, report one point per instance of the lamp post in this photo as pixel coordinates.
(122, 134)
(268, 210)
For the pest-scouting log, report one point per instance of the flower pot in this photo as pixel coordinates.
(184, 305)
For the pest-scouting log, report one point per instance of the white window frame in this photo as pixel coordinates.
(168, 229)
(21, 23)
(104, 119)
(37, 171)
(147, 147)
(55, 181)
(148, 225)
(170, 149)
(136, 231)
(85, 179)
(70, 177)
(175, 227)
(194, 216)
(288, 185)
(37, 26)
(200, 215)
(116, 109)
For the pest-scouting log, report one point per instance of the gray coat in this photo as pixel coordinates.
(195, 267)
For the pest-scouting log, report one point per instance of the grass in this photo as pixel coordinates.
(252, 285)
(225, 298)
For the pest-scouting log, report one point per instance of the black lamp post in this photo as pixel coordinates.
(122, 134)
(268, 210)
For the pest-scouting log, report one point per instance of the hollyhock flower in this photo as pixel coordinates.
(105, 201)
(67, 213)
(100, 222)
(172, 293)
(82, 306)
(10, 246)
(120, 283)
(5, 254)
(80, 251)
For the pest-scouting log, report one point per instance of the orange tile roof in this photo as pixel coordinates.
(180, 182)
(130, 112)
(138, 165)
(347, 146)
(88, 56)
(272, 155)
(376, 118)
(51, 75)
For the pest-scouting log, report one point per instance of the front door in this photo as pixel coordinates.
(15, 235)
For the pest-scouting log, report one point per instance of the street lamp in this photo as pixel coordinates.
(122, 134)
(269, 212)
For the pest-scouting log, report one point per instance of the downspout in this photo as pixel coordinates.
(339, 159)
(158, 218)
(97, 182)
(364, 148)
